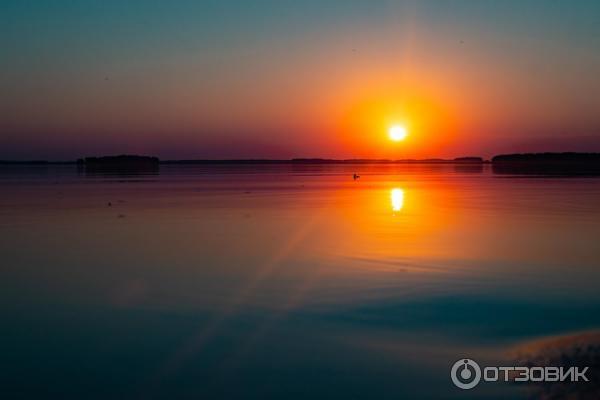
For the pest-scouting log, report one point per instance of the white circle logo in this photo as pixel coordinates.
(465, 373)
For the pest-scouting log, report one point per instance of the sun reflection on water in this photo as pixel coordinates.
(397, 198)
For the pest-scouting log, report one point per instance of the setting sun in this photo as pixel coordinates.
(397, 133)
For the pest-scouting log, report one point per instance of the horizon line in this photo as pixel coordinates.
(547, 156)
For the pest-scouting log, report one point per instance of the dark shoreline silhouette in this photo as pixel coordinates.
(119, 165)
(529, 164)
(559, 164)
(567, 157)
(120, 160)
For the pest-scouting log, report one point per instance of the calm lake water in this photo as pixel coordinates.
(281, 281)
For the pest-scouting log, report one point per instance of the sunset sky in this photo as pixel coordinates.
(283, 79)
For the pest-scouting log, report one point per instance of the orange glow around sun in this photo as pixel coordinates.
(395, 121)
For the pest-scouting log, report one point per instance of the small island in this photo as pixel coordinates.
(119, 164)
(120, 160)
(469, 160)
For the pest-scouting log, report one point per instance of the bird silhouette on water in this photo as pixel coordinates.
(355, 176)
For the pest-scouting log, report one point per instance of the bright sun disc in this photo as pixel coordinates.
(397, 133)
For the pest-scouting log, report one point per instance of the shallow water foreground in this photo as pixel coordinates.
(283, 281)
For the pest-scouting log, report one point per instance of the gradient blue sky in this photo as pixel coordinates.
(279, 79)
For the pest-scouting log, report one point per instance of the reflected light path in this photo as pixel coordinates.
(397, 197)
